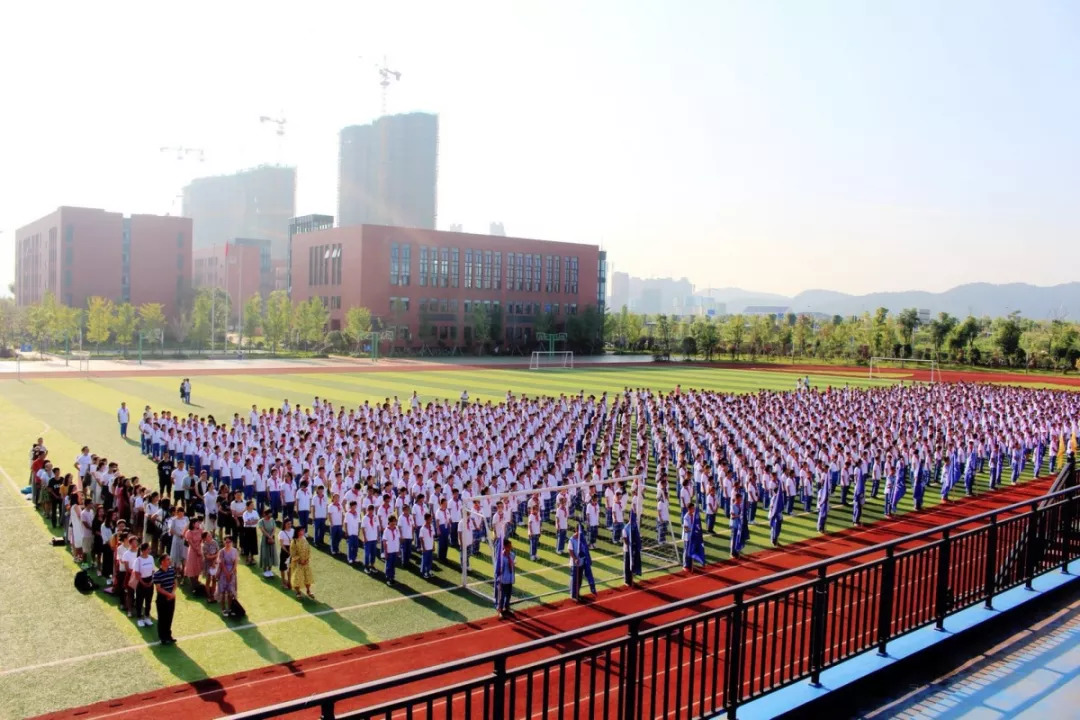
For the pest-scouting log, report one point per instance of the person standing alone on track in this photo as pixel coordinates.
(122, 417)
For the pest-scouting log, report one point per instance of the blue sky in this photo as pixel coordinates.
(778, 146)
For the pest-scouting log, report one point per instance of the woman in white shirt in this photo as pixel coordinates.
(249, 538)
(285, 536)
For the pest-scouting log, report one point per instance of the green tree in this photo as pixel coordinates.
(663, 335)
(481, 327)
(68, 323)
(124, 323)
(99, 321)
(940, 327)
(804, 330)
(278, 322)
(968, 332)
(252, 318)
(10, 324)
(201, 323)
(41, 321)
(705, 336)
(635, 326)
(181, 328)
(1007, 332)
(152, 318)
(908, 320)
(358, 324)
(735, 332)
(311, 318)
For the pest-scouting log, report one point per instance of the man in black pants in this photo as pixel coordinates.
(165, 587)
(164, 471)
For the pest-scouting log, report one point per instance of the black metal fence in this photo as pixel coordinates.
(710, 654)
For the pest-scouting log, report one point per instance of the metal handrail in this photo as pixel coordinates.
(635, 619)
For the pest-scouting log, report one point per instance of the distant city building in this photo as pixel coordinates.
(496, 228)
(78, 253)
(240, 268)
(620, 291)
(924, 316)
(456, 227)
(777, 310)
(388, 172)
(658, 295)
(427, 283)
(256, 203)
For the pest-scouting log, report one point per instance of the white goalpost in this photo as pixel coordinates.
(84, 361)
(549, 572)
(545, 359)
(878, 363)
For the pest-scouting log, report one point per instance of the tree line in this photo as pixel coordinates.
(1010, 341)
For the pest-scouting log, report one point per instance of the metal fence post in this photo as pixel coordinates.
(941, 605)
(630, 683)
(327, 711)
(1068, 519)
(499, 689)
(1030, 550)
(818, 618)
(885, 605)
(990, 578)
(733, 656)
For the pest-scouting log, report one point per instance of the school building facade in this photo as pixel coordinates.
(77, 253)
(426, 284)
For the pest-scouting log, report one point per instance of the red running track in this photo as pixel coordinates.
(263, 686)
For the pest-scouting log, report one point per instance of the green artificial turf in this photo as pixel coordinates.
(63, 649)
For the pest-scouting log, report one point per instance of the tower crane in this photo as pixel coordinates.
(280, 122)
(183, 152)
(386, 75)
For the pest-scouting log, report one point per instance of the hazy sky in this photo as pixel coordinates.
(776, 146)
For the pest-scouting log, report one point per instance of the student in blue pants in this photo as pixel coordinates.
(822, 506)
(776, 516)
(391, 548)
(580, 564)
(858, 497)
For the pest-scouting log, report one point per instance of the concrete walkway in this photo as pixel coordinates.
(1034, 675)
(31, 365)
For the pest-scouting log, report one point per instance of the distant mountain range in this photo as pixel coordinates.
(978, 299)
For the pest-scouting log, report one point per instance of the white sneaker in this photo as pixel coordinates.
(149, 622)
(140, 623)
(268, 574)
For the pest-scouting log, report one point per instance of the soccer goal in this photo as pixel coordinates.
(883, 364)
(84, 361)
(546, 359)
(549, 573)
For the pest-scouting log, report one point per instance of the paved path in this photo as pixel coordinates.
(33, 366)
(1035, 674)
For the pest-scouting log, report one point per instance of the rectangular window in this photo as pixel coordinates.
(468, 307)
(519, 279)
(394, 264)
(468, 268)
(454, 252)
(478, 269)
(487, 269)
(536, 276)
(496, 274)
(444, 267)
(423, 266)
(179, 240)
(179, 262)
(337, 268)
(453, 332)
(444, 305)
(406, 264)
(528, 272)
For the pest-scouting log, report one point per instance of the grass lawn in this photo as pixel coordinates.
(63, 649)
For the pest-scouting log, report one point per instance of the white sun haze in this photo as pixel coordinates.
(776, 146)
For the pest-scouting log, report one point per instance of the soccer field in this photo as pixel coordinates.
(63, 649)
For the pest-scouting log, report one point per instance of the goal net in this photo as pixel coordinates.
(557, 511)
(542, 359)
(83, 358)
(880, 366)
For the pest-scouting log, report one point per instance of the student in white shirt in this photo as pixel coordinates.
(426, 534)
(391, 547)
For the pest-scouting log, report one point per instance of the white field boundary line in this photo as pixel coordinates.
(292, 618)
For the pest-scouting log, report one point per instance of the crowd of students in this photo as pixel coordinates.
(406, 483)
